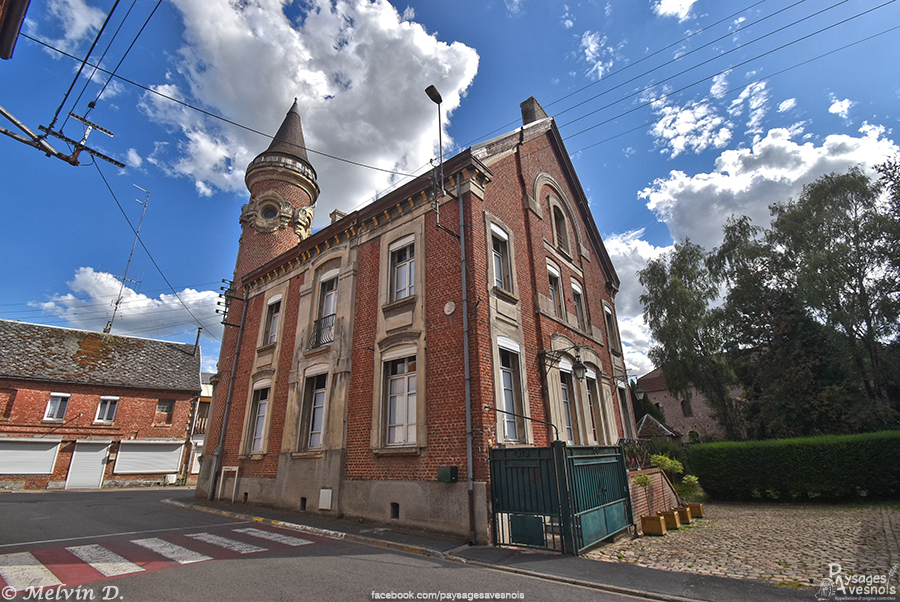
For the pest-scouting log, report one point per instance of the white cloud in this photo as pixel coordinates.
(674, 8)
(78, 21)
(746, 181)
(692, 128)
(133, 159)
(514, 6)
(357, 68)
(91, 303)
(840, 107)
(568, 20)
(597, 53)
(720, 85)
(756, 98)
(787, 105)
(630, 253)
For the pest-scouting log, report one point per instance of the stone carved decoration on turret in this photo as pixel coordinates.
(302, 222)
(268, 212)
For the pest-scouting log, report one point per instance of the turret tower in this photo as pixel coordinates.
(283, 193)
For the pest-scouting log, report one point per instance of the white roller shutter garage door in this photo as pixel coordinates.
(30, 456)
(87, 465)
(142, 457)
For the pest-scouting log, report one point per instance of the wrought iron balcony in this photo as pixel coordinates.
(322, 332)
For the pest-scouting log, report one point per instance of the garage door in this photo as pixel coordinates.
(146, 457)
(32, 456)
(87, 466)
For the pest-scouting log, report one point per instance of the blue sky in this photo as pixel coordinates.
(677, 114)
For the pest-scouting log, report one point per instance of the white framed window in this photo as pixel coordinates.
(400, 406)
(560, 230)
(323, 327)
(273, 314)
(56, 407)
(627, 425)
(597, 423)
(578, 299)
(403, 268)
(556, 296)
(316, 399)
(568, 405)
(511, 393)
(611, 335)
(106, 410)
(259, 409)
(501, 258)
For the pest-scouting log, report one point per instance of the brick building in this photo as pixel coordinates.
(692, 419)
(362, 357)
(82, 409)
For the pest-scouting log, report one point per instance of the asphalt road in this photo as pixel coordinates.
(129, 546)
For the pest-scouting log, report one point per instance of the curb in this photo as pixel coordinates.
(423, 551)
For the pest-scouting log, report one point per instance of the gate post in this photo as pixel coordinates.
(566, 519)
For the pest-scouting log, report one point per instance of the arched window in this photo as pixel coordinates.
(560, 231)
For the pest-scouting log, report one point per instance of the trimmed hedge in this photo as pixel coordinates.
(834, 467)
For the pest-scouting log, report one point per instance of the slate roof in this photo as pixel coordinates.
(48, 353)
(289, 139)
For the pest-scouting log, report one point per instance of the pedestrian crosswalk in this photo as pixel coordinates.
(81, 564)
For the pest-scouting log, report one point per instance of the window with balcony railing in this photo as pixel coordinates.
(322, 332)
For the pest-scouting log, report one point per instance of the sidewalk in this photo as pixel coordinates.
(616, 577)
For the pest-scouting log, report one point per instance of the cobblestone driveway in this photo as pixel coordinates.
(783, 544)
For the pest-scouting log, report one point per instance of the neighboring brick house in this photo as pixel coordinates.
(83, 409)
(343, 381)
(691, 419)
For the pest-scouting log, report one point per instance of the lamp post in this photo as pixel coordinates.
(435, 97)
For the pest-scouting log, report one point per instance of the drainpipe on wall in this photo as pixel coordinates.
(221, 447)
(468, 375)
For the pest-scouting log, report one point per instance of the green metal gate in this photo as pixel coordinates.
(558, 498)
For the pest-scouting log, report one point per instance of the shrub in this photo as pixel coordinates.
(822, 468)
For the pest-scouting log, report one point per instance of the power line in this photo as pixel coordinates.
(146, 250)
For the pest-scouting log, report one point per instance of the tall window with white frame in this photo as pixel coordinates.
(403, 271)
(611, 335)
(316, 399)
(259, 408)
(627, 426)
(502, 263)
(568, 406)
(578, 300)
(556, 296)
(56, 407)
(273, 313)
(401, 401)
(598, 418)
(512, 396)
(323, 329)
(559, 227)
(106, 410)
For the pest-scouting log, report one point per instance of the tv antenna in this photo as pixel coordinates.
(137, 232)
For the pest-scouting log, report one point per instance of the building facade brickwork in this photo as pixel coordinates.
(358, 397)
(83, 409)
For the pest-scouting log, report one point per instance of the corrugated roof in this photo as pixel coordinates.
(48, 353)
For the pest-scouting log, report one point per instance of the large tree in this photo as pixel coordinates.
(678, 294)
(805, 315)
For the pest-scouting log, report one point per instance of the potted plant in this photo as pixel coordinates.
(650, 525)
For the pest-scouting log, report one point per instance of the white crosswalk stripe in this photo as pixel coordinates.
(281, 538)
(106, 561)
(171, 551)
(22, 570)
(229, 544)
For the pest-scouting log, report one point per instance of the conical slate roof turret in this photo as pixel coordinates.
(286, 154)
(289, 139)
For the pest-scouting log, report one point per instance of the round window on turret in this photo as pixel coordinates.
(269, 212)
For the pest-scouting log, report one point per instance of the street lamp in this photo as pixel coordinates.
(553, 356)
(435, 97)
